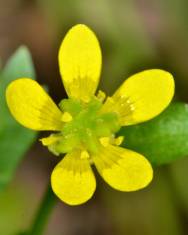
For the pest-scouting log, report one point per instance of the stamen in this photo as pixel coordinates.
(104, 141)
(101, 95)
(50, 139)
(84, 155)
(132, 107)
(66, 117)
(118, 140)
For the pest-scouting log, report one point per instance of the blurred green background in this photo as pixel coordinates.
(134, 35)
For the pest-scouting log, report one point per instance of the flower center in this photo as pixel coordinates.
(85, 126)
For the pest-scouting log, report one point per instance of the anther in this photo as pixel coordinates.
(104, 141)
(84, 155)
(66, 117)
(118, 140)
(132, 107)
(101, 95)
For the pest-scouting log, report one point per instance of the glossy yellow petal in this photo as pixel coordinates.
(142, 96)
(73, 180)
(31, 106)
(123, 169)
(80, 62)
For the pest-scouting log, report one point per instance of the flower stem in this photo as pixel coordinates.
(43, 213)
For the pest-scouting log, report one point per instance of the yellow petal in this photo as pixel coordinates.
(80, 62)
(31, 106)
(142, 96)
(73, 180)
(123, 169)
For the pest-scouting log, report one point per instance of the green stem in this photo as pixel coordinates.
(43, 213)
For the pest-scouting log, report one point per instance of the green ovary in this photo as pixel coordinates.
(85, 129)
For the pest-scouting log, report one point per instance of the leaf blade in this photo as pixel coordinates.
(15, 140)
(163, 139)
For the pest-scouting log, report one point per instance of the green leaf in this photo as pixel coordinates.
(163, 139)
(15, 140)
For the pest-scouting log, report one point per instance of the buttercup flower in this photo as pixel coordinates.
(84, 125)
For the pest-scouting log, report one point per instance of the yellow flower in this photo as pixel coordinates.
(85, 124)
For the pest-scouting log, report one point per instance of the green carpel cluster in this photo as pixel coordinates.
(86, 127)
